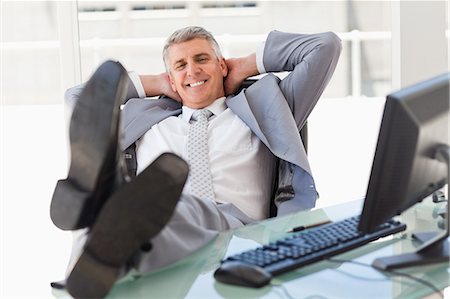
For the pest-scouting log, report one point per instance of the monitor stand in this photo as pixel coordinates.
(435, 246)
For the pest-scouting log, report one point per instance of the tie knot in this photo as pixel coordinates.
(202, 113)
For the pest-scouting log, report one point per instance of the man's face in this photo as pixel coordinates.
(196, 73)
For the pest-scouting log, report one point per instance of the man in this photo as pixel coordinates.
(243, 152)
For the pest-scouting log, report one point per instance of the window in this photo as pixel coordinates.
(30, 53)
(135, 31)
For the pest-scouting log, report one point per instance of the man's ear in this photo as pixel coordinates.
(224, 67)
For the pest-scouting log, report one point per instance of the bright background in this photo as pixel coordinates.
(48, 46)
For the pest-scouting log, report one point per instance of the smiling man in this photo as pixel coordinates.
(243, 151)
(196, 72)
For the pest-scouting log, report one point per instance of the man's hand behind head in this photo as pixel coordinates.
(158, 85)
(239, 69)
(167, 89)
(234, 78)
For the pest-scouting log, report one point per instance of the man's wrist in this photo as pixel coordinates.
(248, 66)
(152, 84)
(259, 58)
(136, 81)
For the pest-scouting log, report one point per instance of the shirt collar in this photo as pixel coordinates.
(216, 107)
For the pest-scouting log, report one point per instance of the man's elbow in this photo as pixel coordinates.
(332, 43)
(70, 97)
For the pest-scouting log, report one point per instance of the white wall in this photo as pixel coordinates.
(420, 46)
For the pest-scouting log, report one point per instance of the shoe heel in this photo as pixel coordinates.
(67, 205)
(91, 278)
(132, 216)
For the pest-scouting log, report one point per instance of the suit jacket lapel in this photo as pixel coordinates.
(139, 115)
(262, 107)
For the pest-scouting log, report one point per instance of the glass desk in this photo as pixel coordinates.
(192, 277)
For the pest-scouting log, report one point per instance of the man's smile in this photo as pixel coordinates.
(195, 84)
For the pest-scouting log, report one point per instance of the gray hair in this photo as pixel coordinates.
(186, 34)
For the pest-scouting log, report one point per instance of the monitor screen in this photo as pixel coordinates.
(404, 171)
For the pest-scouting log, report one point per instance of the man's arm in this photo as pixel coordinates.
(158, 85)
(239, 69)
(139, 86)
(310, 59)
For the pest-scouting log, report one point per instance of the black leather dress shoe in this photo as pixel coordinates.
(134, 214)
(95, 159)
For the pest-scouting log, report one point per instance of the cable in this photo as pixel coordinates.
(280, 284)
(354, 276)
(409, 276)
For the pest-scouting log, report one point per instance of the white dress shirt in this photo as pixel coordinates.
(241, 166)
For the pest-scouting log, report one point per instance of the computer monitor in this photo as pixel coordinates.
(405, 167)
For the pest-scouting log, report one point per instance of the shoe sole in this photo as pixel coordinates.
(126, 221)
(77, 199)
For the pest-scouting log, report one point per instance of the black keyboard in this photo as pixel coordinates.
(313, 245)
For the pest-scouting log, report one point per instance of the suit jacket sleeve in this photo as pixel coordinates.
(310, 59)
(72, 94)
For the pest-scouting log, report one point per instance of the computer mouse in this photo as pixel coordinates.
(242, 274)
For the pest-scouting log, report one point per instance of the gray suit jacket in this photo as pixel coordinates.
(275, 110)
